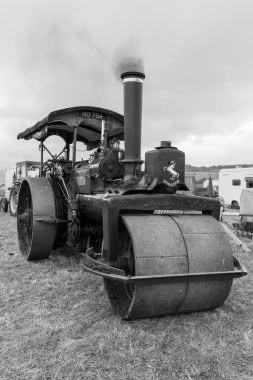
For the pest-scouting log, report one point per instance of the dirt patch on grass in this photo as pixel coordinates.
(55, 323)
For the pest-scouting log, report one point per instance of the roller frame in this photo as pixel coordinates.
(99, 268)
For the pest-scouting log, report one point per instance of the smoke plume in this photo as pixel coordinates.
(127, 57)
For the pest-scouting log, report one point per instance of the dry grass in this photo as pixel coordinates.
(55, 324)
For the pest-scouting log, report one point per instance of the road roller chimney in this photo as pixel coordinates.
(132, 82)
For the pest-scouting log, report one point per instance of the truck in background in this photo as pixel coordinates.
(232, 182)
(13, 177)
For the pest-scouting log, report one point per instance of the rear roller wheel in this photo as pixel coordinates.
(167, 245)
(36, 213)
(13, 203)
(4, 205)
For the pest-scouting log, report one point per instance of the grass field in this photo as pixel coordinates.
(55, 324)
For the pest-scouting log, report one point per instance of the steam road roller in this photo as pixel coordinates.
(158, 250)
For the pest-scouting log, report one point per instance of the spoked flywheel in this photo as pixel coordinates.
(36, 214)
(176, 263)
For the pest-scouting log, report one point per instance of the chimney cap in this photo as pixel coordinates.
(136, 74)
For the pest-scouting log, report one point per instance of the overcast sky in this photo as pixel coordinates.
(198, 58)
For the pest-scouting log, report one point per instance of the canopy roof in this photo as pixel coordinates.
(87, 119)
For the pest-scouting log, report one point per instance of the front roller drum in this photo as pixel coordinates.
(176, 264)
(36, 213)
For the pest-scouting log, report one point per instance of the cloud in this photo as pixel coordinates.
(198, 60)
(51, 62)
(215, 147)
(204, 78)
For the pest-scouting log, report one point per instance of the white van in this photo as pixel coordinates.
(232, 182)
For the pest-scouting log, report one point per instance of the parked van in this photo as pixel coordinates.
(232, 182)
